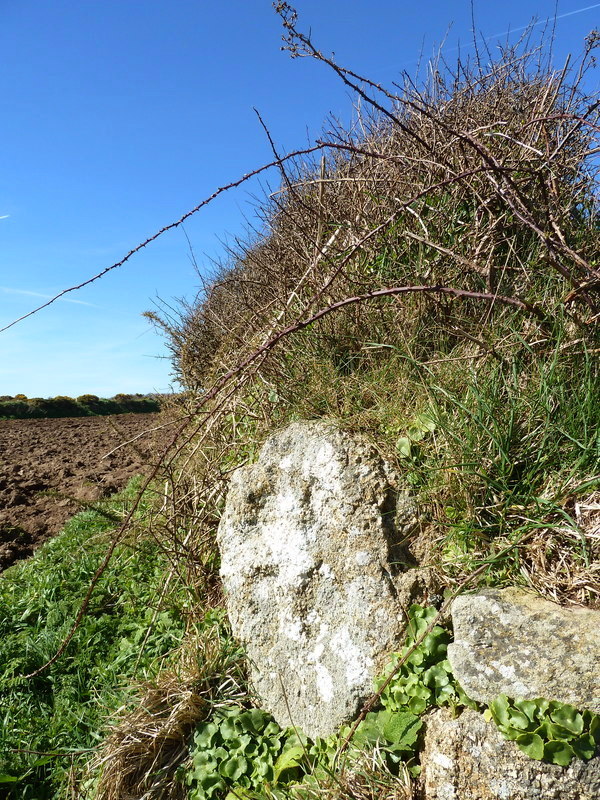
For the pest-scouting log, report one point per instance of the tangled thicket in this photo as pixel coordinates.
(485, 181)
(442, 255)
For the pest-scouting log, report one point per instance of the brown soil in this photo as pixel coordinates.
(52, 468)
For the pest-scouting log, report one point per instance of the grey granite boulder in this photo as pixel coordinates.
(310, 551)
(508, 641)
(466, 758)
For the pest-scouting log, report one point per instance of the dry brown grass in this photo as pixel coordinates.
(562, 561)
(139, 757)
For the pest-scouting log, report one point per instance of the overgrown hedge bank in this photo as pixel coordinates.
(22, 407)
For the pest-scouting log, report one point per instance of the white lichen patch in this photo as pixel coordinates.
(357, 663)
(442, 760)
(325, 571)
(325, 688)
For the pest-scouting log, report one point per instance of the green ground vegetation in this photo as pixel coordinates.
(51, 722)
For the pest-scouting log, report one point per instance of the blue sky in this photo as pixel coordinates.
(117, 116)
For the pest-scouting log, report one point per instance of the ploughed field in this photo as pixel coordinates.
(52, 468)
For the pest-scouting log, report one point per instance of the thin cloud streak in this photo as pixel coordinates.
(8, 290)
(532, 24)
(542, 22)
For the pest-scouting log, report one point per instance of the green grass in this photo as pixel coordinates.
(65, 709)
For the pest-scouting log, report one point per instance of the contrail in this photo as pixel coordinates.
(496, 35)
(542, 22)
(8, 290)
(5, 216)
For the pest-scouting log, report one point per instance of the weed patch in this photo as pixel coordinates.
(50, 722)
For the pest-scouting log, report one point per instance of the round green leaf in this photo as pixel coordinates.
(205, 734)
(499, 708)
(415, 434)
(228, 728)
(548, 730)
(594, 727)
(403, 447)
(272, 729)
(517, 719)
(417, 705)
(204, 760)
(446, 694)
(558, 753)
(234, 768)
(212, 784)
(584, 747)
(531, 744)
(568, 717)
(436, 676)
(528, 707)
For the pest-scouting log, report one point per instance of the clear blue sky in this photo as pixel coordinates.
(117, 116)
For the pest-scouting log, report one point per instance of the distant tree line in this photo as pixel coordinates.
(22, 407)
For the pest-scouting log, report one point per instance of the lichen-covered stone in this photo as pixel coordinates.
(466, 758)
(508, 641)
(309, 561)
